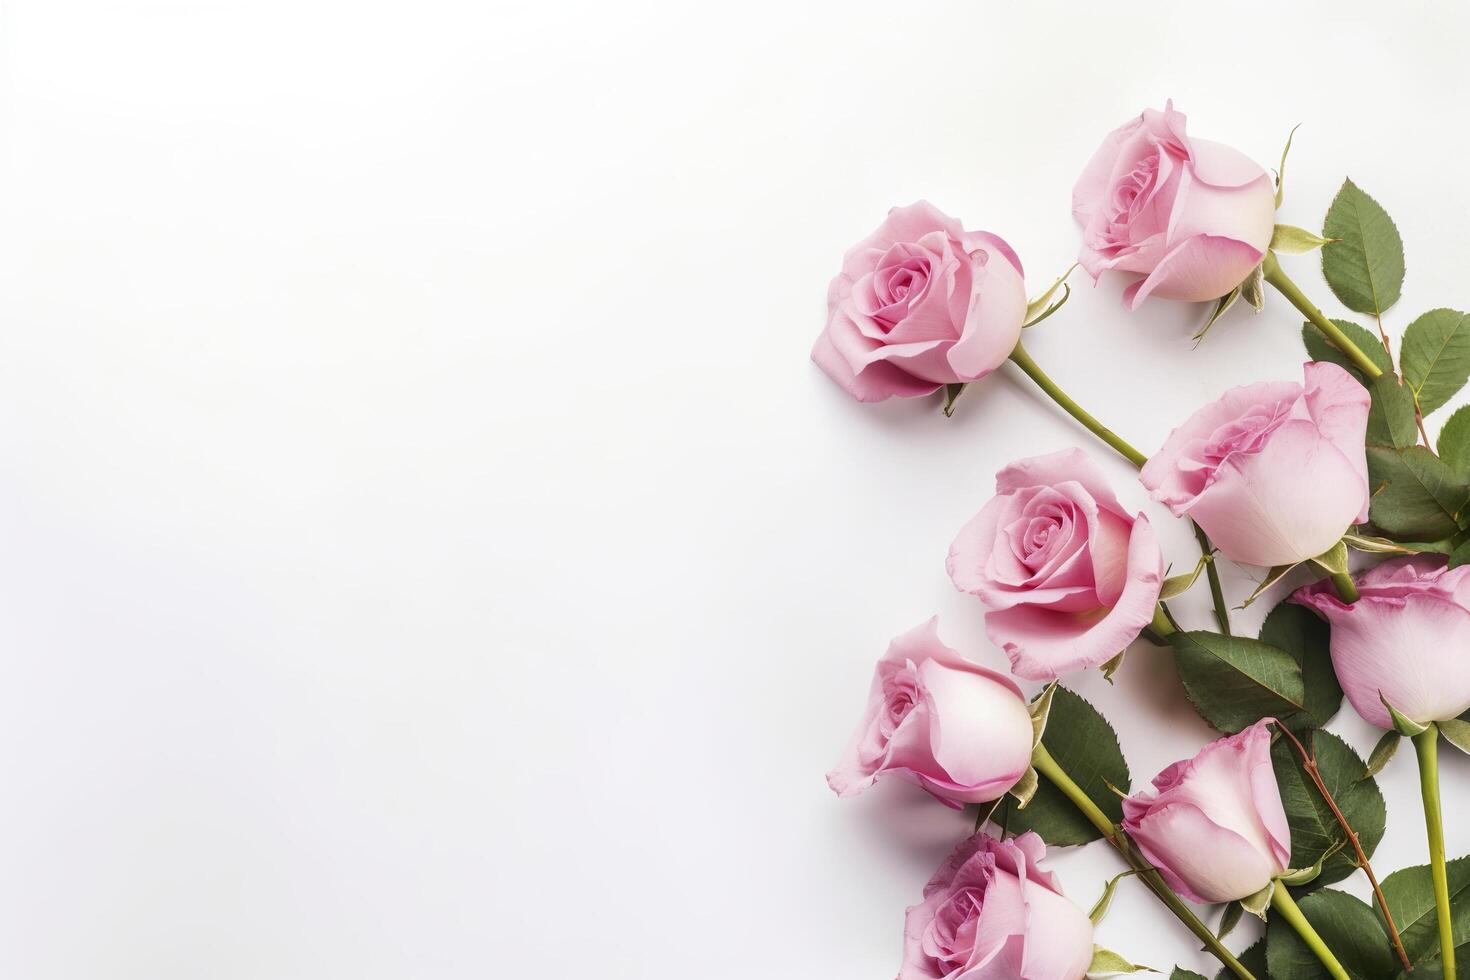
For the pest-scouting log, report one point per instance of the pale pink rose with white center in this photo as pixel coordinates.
(1275, 472)
(1406, 640)
(1214, 825)
(935, 719)
(920, 303)
(992, 913)
(1191, 216)
(1070, 576)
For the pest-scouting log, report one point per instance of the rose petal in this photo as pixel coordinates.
(1199, 268)
(1044, 644)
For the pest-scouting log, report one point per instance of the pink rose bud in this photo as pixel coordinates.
(1214, 825)
(1406, 639)
(1193, 217)
(991, 911)
(918, 304)
(1070, 577)
(960, 731)
(1274, 472)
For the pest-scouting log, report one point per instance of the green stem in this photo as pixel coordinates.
(1283, 903)
(1217, 594)
(1043, 381)
(1033, 371)
(1277, 277)
(1048, 767)
(1347, 589)
(1426, 745)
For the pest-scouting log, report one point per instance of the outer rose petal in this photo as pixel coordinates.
(1197, 269)
(1226, 167)
(1059, 467)
(1289, 502)
(1162, 476)
(992, 326)
(1043, 644)
(1199, 859)
(1339, 406)
(875, 382)
(903, 224)
(980, 730)
(974, 717)
(1215, 826)
(1409, 650)
(1059, 937)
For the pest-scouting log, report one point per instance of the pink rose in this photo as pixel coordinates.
(918, 304)
(992, 912)
(1193, 217)
(958, 730)
(1070, 577)
(1214, 825)
(1274, 472)
(1404, 640)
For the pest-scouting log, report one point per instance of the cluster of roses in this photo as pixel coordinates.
(1274, 474)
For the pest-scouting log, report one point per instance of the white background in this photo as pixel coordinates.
(425, 548)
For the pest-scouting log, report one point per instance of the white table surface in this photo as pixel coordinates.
(427, 549)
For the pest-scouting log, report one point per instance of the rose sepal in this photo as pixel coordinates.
(1403, 724)
(1105, 962)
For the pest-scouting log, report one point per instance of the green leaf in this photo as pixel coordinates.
(1460, 555)
(1315, 832)
(1235, 681)
(1294, 241)
(1416, 496)
(1182, 974)
(1435, 355)
(1086, 747)
(1410, 896)
(1391, 420)
(1364, 264)
(1253, 959)
(1350, 929)
(1386, 746)
(1319, 348)
(1454, 442)
(1304, 635)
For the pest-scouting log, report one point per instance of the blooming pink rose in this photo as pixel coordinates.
(1404, 640)
(992, 913)
(1214, 825)
(958, 730)
(1274, 472)
(1070, 577)
(1193, 217)
(918, 304)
